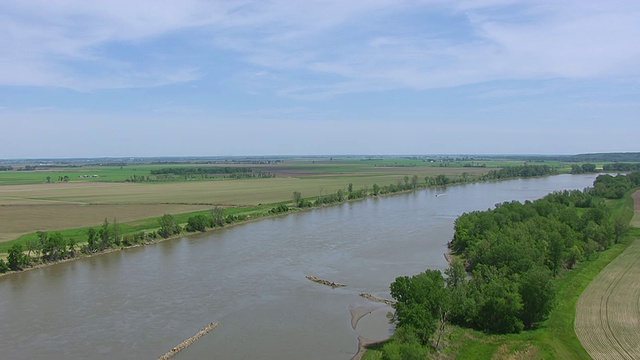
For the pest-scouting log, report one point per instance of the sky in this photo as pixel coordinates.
(281, 77)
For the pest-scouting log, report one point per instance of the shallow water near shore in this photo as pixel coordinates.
(141, 302)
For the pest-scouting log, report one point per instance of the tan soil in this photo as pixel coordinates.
(636, 206)
(608, 312)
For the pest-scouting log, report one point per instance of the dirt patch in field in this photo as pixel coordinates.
(18, 220)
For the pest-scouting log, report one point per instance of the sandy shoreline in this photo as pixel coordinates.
(358, 311)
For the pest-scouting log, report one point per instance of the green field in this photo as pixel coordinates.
(306, 167)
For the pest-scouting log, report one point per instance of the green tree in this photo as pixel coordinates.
(538, 296)
(422, 301)
(54, 247)
(621, 227)
(197, 223)
(588, 168)
(441, 180)
(104, 233)
(72, 246)
(32, 246)
(92, 237)
(376, 189)
(115, 232)
(15, 258)
(498, 301)
(297, 198)
(573, 256)
(217, 216)
(3, 266)
(168, 226)
(556, 252)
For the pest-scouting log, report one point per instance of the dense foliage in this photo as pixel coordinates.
(621, 167)
(512, 253)
(201, 170)
(522, 171)
(614, 187)
(583, 169)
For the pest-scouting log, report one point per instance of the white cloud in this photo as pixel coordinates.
(329, 46)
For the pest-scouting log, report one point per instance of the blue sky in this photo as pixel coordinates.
(174, 78)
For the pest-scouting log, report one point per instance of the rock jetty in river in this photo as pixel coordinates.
(378, 299)
(325, 282)
(185, 344)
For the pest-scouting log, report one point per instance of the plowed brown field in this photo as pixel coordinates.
(608, 312)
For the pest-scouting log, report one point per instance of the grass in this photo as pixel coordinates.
(555, 338)
(148, 224)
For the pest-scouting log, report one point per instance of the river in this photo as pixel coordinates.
(139, 303)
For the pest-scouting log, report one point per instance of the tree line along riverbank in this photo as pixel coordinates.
(518, 271)
(41, 248)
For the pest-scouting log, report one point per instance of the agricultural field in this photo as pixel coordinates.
(608, 315)
(635, 222)
(29, 203)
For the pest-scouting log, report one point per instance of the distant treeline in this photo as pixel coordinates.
(621, 167)
(607, 157)
(201, 170)
(583, 169)
(6, 168)
(614, 187)
(580, 158)
(194, 173)
(522, 171)
(512, 252)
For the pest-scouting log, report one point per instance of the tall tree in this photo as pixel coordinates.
(422, 301)
(168, 226)
(297, 198)
(15, 258)
(538, 295)
(217, 215)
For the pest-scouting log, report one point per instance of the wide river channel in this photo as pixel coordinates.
(141, 302)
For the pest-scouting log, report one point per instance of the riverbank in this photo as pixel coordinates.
(556, 337)
(251, 279)
(238, 216)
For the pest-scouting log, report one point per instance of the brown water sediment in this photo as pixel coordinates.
(185, 344)
(250, 278)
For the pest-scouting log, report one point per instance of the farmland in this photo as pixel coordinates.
(28, 202)
(608, 316)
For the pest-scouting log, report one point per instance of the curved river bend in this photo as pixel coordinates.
(139, 303)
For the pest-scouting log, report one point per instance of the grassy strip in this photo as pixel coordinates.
(150, 224)
(556, 338)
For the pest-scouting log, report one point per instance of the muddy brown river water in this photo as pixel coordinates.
(141, 302)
